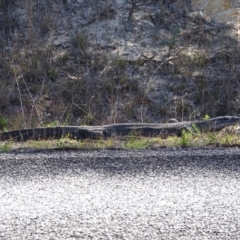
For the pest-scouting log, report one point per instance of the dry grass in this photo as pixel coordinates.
(133, 141)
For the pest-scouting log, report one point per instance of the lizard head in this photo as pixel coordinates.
(220, 122)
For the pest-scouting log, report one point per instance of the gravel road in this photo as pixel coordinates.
(120, 194)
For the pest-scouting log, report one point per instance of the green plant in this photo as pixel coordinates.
(171, 42)
(162, 110)
(65, 58)
(109, 143)
(119, 62)
(51, 73)
(46, 22)
(135, 141)
(30, 76)
(105, 143)
(195, 129)
(206, 117)
(64, 140)
(227, 140)
(5, 147)
(52, 124)
(3, 123)
(80, 41)
(185, 137)
(110, 85)
(199, 59)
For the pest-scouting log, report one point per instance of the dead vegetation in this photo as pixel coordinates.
(56, 67)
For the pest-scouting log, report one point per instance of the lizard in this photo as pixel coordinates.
(120, 129)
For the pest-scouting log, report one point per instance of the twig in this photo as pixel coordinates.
(19, 91)
(87, 113)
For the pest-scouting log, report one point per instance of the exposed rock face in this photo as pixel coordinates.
(220, 10)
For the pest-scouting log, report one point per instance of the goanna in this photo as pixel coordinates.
(120, 129)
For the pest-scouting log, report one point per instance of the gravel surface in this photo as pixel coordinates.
(119, 194)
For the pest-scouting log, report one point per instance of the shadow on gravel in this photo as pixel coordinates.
(119, 162)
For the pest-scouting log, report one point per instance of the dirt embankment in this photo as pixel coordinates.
(102, 62)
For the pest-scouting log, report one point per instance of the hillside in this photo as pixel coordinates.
(77, 62)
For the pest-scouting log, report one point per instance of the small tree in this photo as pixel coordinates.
(135, 4)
